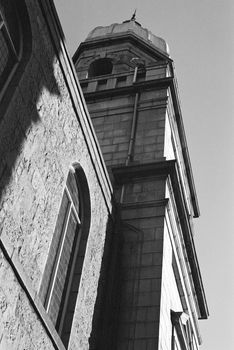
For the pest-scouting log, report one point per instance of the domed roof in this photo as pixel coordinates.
(133, 27)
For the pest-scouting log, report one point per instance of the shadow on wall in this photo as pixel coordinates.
(30, 101)
(106, 311)
(29, 80)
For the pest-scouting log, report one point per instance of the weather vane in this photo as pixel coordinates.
(134, 16)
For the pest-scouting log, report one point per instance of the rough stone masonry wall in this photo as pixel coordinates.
(20, 327)
(40, 138)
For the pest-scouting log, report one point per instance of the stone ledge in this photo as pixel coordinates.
(146, 204)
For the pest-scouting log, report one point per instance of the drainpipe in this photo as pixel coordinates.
(138, 63)
(133, 130)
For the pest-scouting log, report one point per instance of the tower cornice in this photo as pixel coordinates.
(120, 38)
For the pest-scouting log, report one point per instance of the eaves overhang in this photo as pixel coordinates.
(116, 39)
(184, 146)
(125, 174)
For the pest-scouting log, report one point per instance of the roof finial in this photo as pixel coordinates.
(134, 16)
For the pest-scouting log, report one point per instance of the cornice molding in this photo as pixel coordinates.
(138, 205)
(184, 145)
(130, 89)
(120, 39)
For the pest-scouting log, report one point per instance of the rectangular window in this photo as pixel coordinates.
(4, 53)
(141, 74)
(101, 84)
(84, 86)
(121, 81)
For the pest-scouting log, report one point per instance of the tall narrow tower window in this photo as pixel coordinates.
(15, 47)
(9, 52)
(100, 67)
(60, 283)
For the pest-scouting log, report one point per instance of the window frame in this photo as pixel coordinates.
(83, 217)
(181, 331)
(100, 67)
(63, 236)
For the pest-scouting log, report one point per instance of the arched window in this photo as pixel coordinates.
(60, 283)
(102, 66)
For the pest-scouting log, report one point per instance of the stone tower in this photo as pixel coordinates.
(155, 295)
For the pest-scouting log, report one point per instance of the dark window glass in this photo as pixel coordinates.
(84, 86)
(121, 81)
(100, 67)
(4, 53)
(101, 84)
(141, 74)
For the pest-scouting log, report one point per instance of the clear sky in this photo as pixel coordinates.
(200, 34)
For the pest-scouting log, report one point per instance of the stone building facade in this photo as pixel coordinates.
(46, 134)
(93, 257)
(128, 80)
